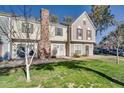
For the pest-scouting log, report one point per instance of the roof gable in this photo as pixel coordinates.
(85, 13)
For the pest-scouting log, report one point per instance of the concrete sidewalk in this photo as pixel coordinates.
(102, 57)
(17, 63)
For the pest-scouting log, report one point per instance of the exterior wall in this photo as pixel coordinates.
(5, 24)
(52, 33)
(6, 53)
(60, 52)
(78, 23)
(83, 49)
(17, 32)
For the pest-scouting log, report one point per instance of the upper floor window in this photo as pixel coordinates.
(84, 22)
(89, 35)
(27, 27)
(79, 33)
(58, 31)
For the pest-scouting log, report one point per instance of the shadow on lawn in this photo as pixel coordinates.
(8, 71)
(76, 66)
(4, 71)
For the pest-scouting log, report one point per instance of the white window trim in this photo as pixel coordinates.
(57, 30)
(75, 48)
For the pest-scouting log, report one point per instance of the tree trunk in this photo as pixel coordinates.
(28, 73)
(117, 53)
(27, 65)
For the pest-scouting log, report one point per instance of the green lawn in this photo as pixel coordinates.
(78, 74)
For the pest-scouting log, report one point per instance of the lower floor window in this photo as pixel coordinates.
(58, 50)
(77, 49)
(21, 50)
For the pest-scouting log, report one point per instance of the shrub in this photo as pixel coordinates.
(76, 55)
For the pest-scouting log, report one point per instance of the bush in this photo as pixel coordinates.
(76, 55)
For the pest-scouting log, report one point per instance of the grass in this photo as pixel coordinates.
(78, 74)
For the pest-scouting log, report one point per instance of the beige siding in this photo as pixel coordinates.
(58, 38)
(79, 24)
(83, 49)
(18, 34)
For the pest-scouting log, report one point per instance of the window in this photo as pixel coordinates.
(84, 22)
(27, 27)
(58, 31)
(89, 35)
(31, 49)
(21, 50)
(61, 47)
(78, 49)
(79, 33)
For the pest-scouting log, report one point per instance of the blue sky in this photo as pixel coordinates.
(69, 10)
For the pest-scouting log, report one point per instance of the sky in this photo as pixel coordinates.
(68, 10)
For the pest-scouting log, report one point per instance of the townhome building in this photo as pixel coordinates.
(62, 40)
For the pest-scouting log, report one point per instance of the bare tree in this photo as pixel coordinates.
(115, 39)
(18, 34)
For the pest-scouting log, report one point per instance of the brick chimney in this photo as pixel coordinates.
(44, 43)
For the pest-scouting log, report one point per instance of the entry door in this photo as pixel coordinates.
(87, 50)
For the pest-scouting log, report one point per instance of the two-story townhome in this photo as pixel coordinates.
(58, 38)
(82, 35)
(79, 38)
(20, 37)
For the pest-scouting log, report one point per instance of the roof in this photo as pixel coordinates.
(58, 24)
(33, 19)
